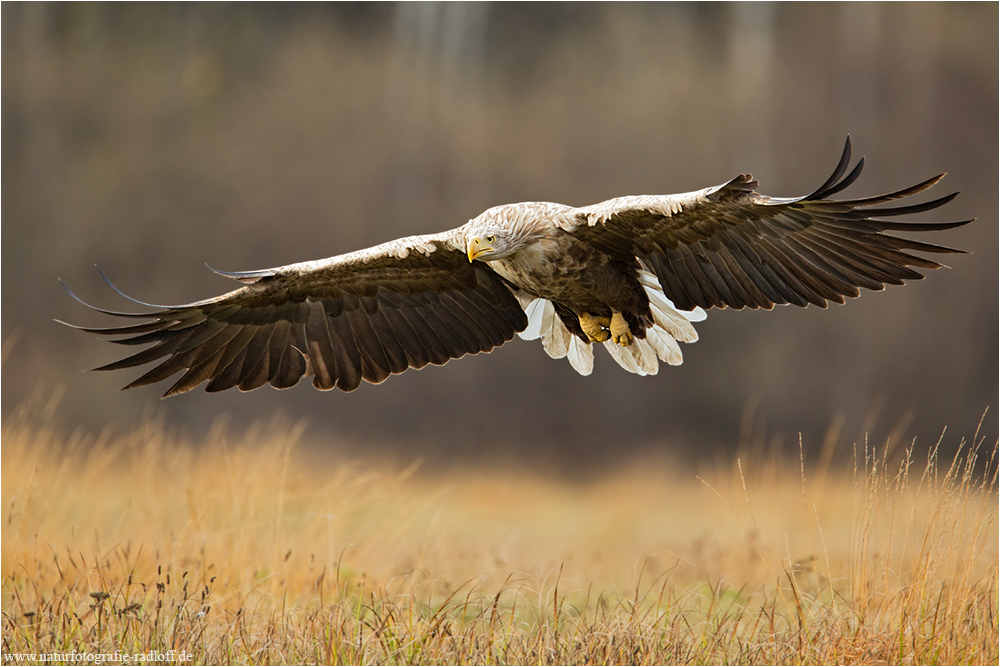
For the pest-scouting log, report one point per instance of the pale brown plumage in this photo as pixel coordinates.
(651, 261)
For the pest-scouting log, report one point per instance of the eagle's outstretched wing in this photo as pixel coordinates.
(364, 315)
(730, 246)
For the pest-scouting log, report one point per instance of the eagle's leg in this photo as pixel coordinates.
(595, 327)
(620, 332)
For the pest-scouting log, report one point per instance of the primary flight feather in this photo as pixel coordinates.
(632, 273)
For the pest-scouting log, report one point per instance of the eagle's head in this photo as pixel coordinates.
(488, 244)
(491, 236)
(503, 230)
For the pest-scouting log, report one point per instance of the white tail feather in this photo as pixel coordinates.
(652, 285)
(555, 336)
(544, 323)
(535, 312)
(665, 346)
(644, 355)
(670, 325)
(581, 356)
(638, 357)
(672, 322)
(623, 357)
(675, 322)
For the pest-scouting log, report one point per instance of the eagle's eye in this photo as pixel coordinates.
(491, 238)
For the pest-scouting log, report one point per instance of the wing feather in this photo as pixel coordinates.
(229, 376)
(174, 364)
(432, 335)
(481, 323)
(361, 316)
(803, 281)
(232, 362)
(457, 343)
(251, 373)
(753, 268)
(374, 364)
(348, 356)
(277, 348)
(319, 347)
(293, 365)
(744, 272)
(255, 365)
(729, 246)
(413, 346)
(197, 372)
(395, 353)
(468, 320)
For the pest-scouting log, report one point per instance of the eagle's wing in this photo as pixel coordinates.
(360, 316)
(730, 246)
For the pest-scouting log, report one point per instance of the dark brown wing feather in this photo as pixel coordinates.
(730, 246)
(363, 316)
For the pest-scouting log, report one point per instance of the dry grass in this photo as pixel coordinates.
(254, 552)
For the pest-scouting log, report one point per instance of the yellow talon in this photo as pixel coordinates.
(620, 332)
(596, 327)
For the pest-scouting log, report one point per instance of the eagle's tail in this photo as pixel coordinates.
(544, 323)
(641, 356)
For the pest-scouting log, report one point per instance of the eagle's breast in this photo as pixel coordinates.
(561, 268)
(539, 265)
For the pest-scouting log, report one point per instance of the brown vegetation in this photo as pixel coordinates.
(249, 551)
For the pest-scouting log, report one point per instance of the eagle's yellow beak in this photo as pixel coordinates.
(477, 247)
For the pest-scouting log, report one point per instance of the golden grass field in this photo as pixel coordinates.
(250, 550)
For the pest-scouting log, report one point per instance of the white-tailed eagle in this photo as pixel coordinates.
(632, 273)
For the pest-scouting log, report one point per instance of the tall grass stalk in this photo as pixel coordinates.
(248, 550)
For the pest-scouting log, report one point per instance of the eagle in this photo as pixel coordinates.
(631, 273)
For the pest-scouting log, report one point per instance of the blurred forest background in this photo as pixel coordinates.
(151, 139)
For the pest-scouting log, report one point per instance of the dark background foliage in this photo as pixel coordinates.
(151, 139)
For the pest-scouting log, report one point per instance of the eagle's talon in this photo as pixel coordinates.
(620, 332)
(595, 327)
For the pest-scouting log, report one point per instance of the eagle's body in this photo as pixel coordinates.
(592, 281)
(632, 273)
